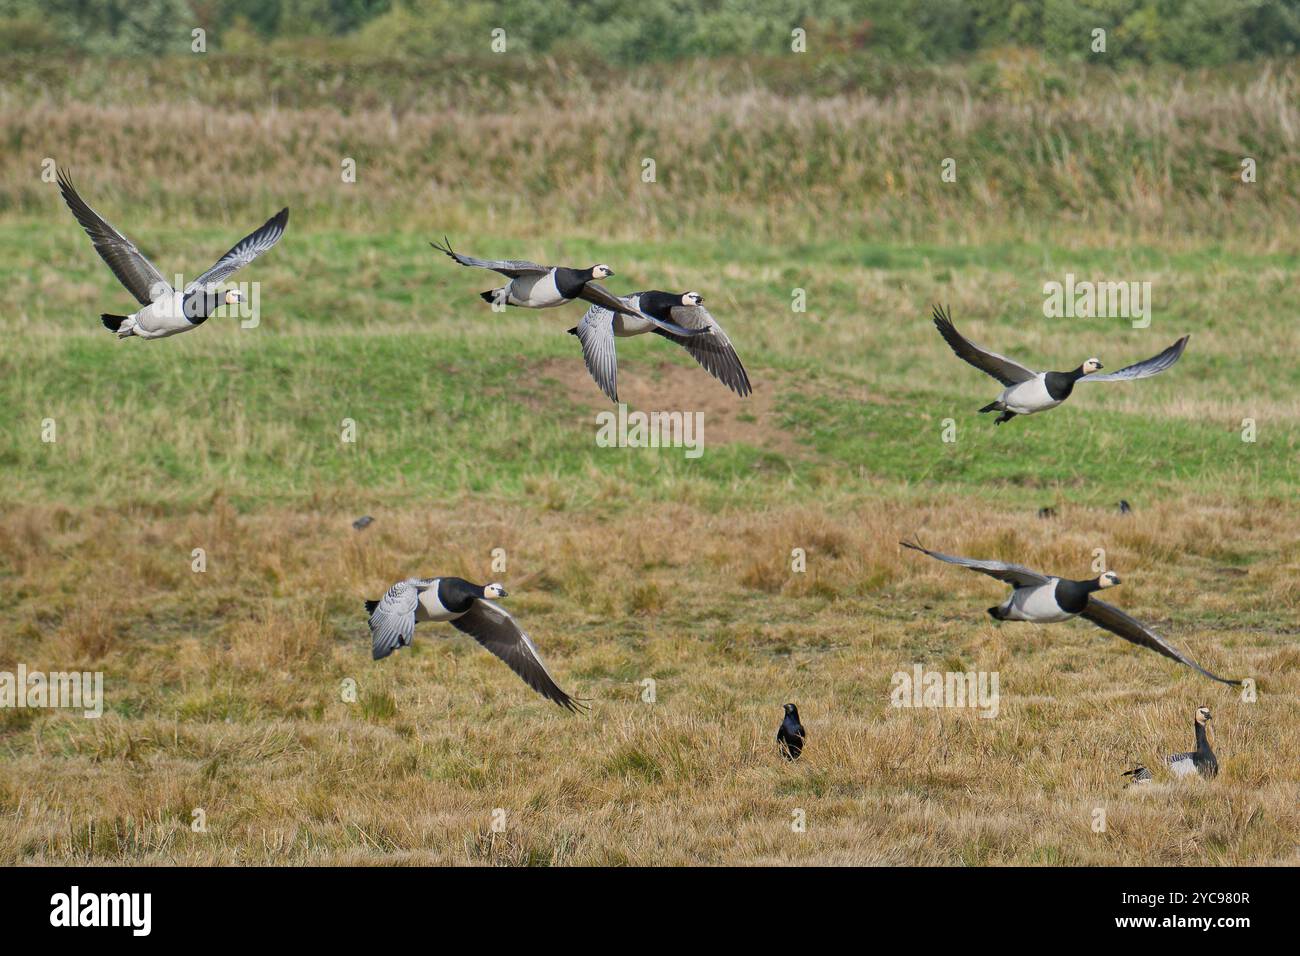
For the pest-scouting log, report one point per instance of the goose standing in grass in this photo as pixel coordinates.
(166, 311)
(791, 735)
(466, 607)
(534, 286)
(1201, 760)
(1028, 392)
(715, 353)
(1043, 599)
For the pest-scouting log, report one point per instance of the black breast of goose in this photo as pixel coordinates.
(1072, 596)
(450, 598)
(1044, 599)
(570, 283)
(1059, 385)
(471, 609)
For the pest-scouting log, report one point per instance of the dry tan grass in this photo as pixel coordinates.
(224, 689)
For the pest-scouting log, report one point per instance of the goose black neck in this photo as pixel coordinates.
(1072, 596)
(457, 594)
(200, 304)
(1061, 384)
(658, 303)
(570, 281)
(1202, 739)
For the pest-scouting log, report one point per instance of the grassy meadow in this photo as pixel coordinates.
(476, 431)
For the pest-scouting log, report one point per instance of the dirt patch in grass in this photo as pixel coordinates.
(665, 387)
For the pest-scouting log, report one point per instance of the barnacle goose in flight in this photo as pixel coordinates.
(166, 311)
(535, 286)
(1043, 599)
(1027, 391)
(466, 607)
(715, 353)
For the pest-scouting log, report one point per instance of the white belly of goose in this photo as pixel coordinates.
(161, 318)
(535, 292)
(1036, 604)
(1028, 397)
(431, 609)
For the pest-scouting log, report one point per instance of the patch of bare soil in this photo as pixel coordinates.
(665, 387)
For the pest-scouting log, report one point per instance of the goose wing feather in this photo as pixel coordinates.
(596, 333)
(140, 277)
(392, 622)
(714, 351)
(1016, 574)
(1111, 618)
(1146, 368)
(493, 627)
(243, 252)
(510, 268)
(1007, 371)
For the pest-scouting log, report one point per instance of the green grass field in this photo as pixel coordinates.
(476, 431)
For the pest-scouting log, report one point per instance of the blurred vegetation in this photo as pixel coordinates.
(787, 148)
(1183, 32)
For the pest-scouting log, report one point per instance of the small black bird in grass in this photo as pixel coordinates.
(1124, 507)
(791, 734)
(362, 523)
